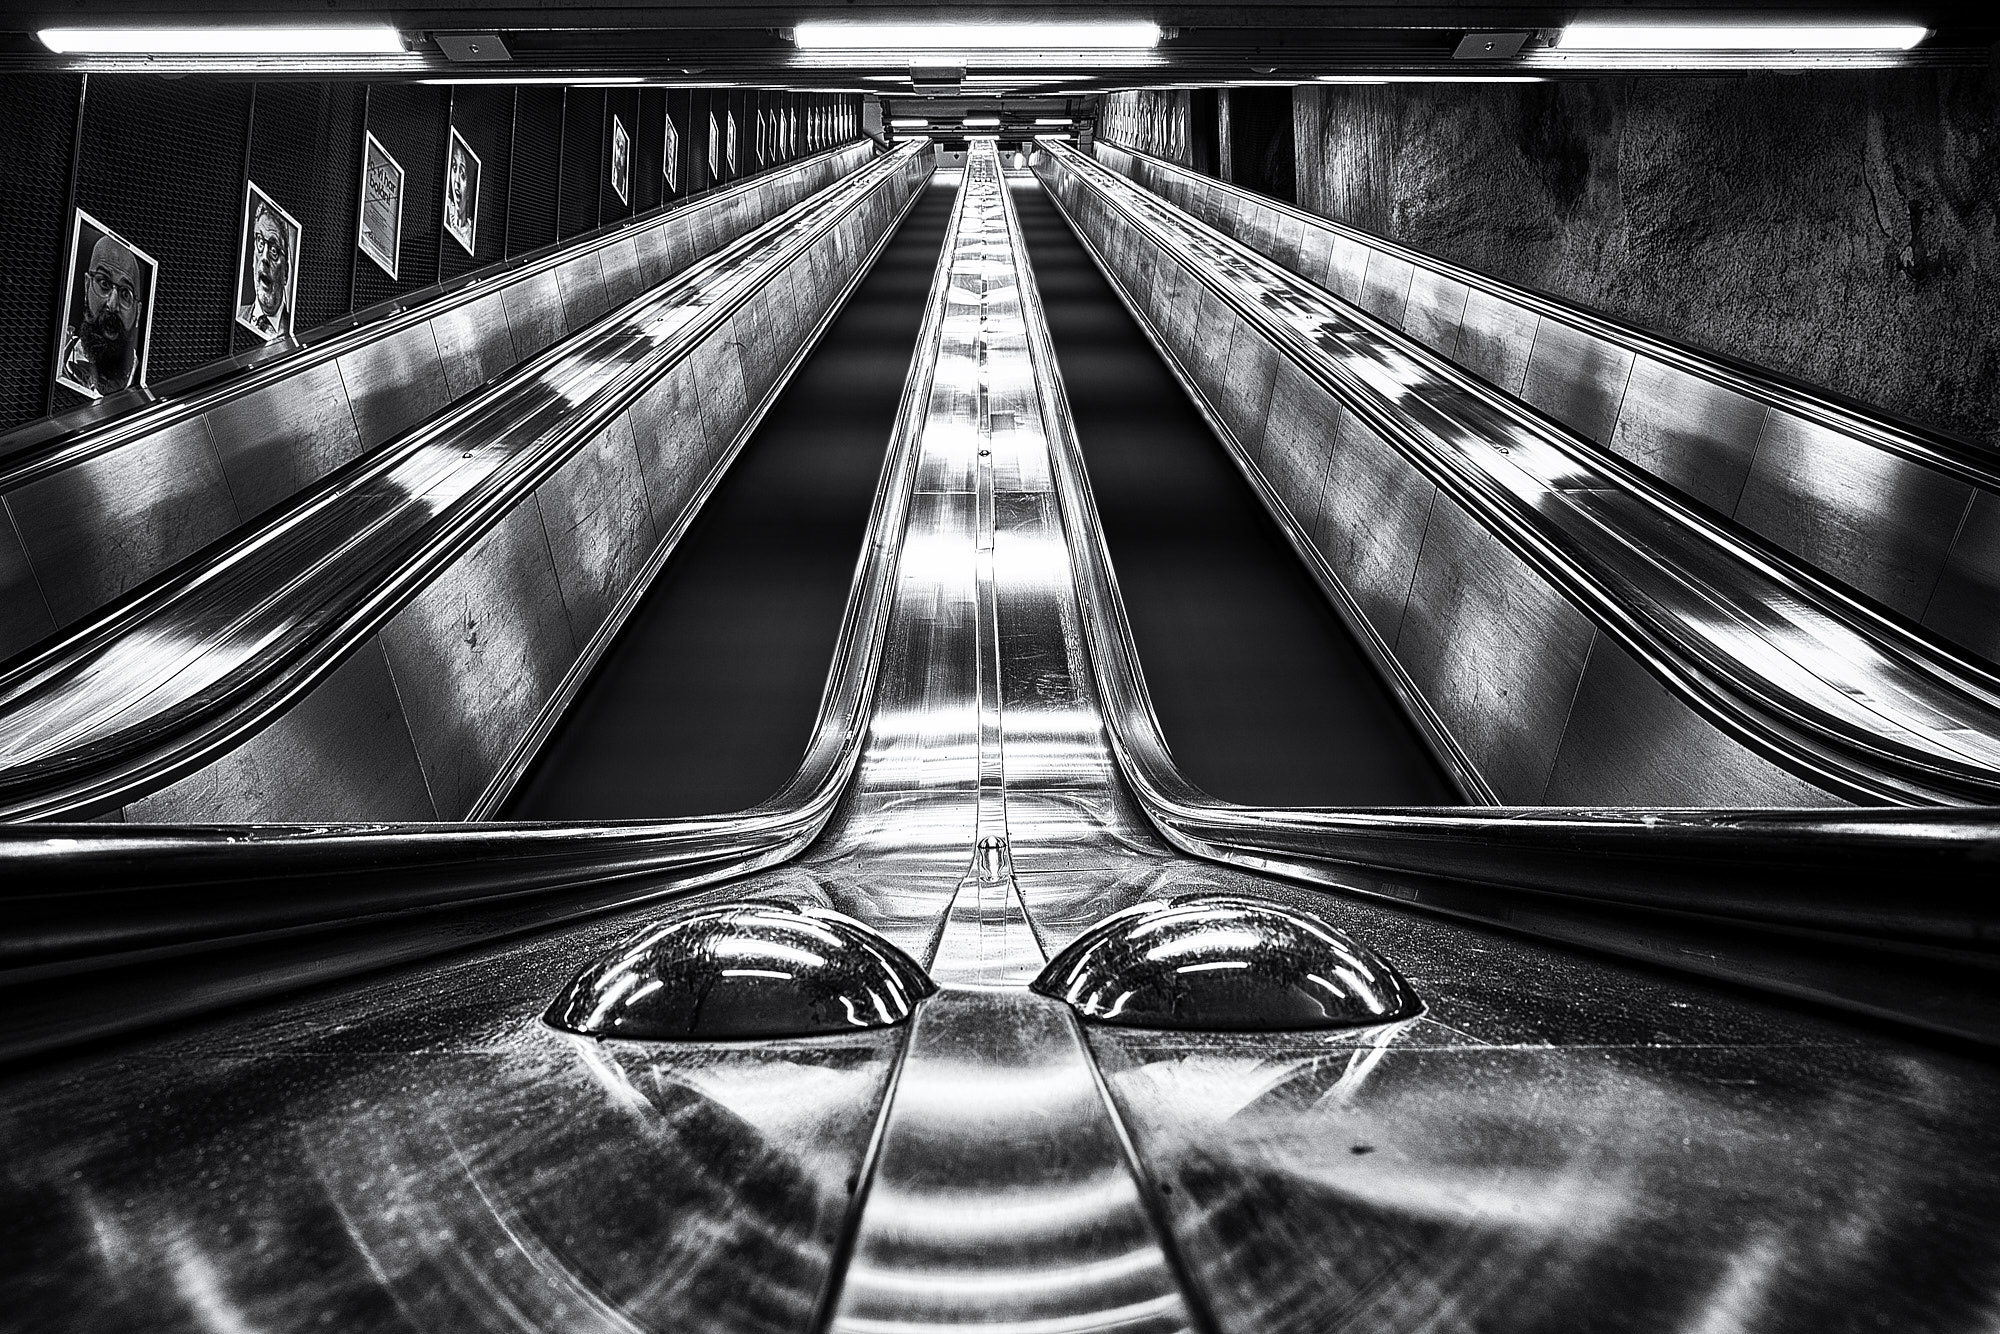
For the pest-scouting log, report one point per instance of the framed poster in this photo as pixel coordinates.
(107, 324)
(621, 161)
(380, 232)
(714, 149)
(461, 192)
(670, 156)
(267, 267)
(729, 139)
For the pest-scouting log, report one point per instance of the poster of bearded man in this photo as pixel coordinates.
(267, 267)
(107, 311)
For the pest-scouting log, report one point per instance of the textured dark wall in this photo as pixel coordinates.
(162, 161)
(1839, 227)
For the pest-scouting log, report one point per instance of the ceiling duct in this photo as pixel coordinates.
(937, 80)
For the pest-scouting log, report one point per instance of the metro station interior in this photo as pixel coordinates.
(1042, 669)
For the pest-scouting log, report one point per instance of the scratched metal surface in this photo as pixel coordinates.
(1558, 1142)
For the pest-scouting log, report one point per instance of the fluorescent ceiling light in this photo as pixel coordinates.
(909, 124)
(1054, 120)
(1429, 78)
(1016, 78)
(885, 78)
(347, 40)
(981, 121)
(575, 81)
(842, 35)
(1723, 37)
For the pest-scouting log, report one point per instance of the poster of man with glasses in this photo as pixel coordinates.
(108, 311)
(267, 267)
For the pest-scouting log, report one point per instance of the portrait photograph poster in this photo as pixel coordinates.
(670, 156)
(714, 148)
(461, 192)
(267, 266)
(106, 331)
(729, 139)
(621, 161)
(380, 233)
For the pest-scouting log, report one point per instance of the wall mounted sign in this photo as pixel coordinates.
(714, 149)
(267, 267)
(108, 313)
(621, 161)
(380, 232)
(670, 156)
(461, 192)
(729, 139)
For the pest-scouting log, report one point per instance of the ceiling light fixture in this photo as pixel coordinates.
(575, 81)
(1724, 37)
(844, 35)
(909, 124)
(981, 122)
(1429, 78)
(330, 40)
(1054, 120)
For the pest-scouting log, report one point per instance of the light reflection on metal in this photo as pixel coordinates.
(745, 970)
(1775, 654)
(1222, 963)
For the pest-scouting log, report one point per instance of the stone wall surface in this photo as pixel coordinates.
(1837, 227)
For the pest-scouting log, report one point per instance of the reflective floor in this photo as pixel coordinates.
(1557, 1142)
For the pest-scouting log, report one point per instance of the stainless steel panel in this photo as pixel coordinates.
(534, 313)
(474, 343)
(1966, 607)
(1213, 331)
(672, 442)
(1385, 286)
(1298, 442)
(105, 525)
(477, 654)
(1577, 378)
(394, 383)
(24, 612)
(1245, 383)
(600, 526)
(1001, 1196)
(1688, 432)
(1315, 255)
(1495, 651)
(1882, 523)
(718, 379)
(656, 263)
(619, 261)
(1495, 337)
(1346, 265)
(1631, 742)
(341, 753)
(581, 281)
(1437, 304)
(278, 440)
(1375, 509)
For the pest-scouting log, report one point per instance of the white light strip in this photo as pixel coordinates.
(1016, 78)
(909, 124)
(840, 35)
(1054, 120)
(1429, 78)
(1676, 37)
(574, 81)
(316, 41)
(983, 122)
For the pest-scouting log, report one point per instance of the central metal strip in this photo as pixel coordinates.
(1003, 1194)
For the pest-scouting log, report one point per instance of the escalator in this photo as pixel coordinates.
(707, 699)
(1261, 690)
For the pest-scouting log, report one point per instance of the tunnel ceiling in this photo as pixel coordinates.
(706, 44)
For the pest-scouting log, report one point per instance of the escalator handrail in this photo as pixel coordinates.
(1916, 881)
(85, 902)
(1830, 749)
(37, 455)
(309, 642)
(1968, 460)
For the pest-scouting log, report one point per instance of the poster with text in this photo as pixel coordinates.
(621, 161)
(670, 156)
(107, 311)
(380, 232)
(267, 267)
(461, 192)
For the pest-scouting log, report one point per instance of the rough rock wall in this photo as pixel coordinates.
(1840, 227)
(1153, 121)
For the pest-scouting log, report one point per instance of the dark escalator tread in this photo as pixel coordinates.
(706, 701)
(1262, 693)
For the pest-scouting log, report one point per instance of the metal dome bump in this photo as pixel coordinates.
(1225, 963)
(755, 969)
